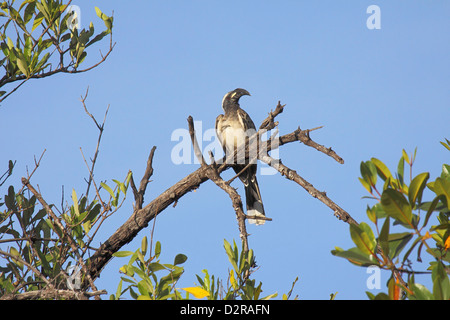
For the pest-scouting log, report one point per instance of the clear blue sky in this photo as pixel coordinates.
(374, 91)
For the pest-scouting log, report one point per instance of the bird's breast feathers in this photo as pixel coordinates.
(231, 134)
(234, 130)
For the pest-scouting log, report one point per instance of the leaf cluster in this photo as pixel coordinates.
(141, 274)
(42, 30)
(41, 248)
(400, 206)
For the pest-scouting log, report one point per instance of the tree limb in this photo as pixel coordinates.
(214, 176)
(53, 294)
(141, 217)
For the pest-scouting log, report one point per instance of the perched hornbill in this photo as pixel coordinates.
(233, 130)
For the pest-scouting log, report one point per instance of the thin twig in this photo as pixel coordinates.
(139, 194)
(100, 128)
(29, 266)
(105, 207)
(57, 222)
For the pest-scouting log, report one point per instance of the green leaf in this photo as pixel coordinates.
(382, 169)
(355, 256)
(179, 259)
(98, 12)
(10, 43)
(13, 251)
(396, 206)
(416, 188)
(10, 199)
(108, 23)
(37, 21)
(397, 241)
(144, 289)
(432, 207)
(122, 254)
(107, 20)
(381, 296)
(420, 292)
(40, 215)
(371, 214)
(75, 202)
(22, 64)
(98, 37)
(369, 172)
(270, 296)
(87, 226)
(144, 245)
(442, 187)
(230, 255)
(43, 8)
(107, 188)
(155, 266)
(41, 65)
(119, 290)
(405, 156)
(446, 145)
(157, 249)
(29, 11)
(445, 172)
(384, 236)
(441, 282)
(401, 170)
(365, 184)
(140, 256)
(81, 55)
(27, 49)
(363, 237)
(121, 186)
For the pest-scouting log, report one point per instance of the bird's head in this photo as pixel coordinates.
(234, 96)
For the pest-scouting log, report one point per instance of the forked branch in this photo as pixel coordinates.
(142, 216)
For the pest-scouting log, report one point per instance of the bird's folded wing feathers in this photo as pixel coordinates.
(245, 120)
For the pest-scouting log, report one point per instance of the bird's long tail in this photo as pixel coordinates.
(254, 202)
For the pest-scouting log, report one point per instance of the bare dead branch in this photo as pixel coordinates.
(139, 194)
(91, 174)
(303, 136)
(214, 176)
(100, 134)
(53, 294)
(197, 151)
(322, 196)
(36, 164)
(268, 123)
(141, 218)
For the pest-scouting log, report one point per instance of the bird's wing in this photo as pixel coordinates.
(219, 128)
(245, 120)
(247, 124)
